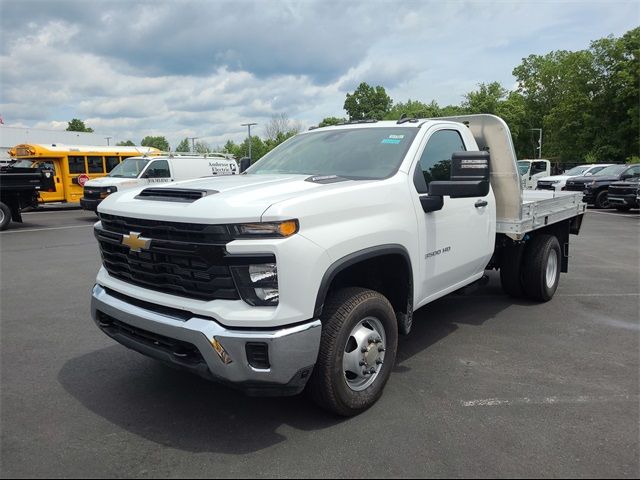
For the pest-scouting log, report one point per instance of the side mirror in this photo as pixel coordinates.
(245, 162)
(470, 177)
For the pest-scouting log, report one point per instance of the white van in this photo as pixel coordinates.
(145, 170)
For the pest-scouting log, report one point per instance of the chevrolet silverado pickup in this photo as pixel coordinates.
(302, 272)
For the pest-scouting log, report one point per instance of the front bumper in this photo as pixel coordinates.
(90, 203)
(624, 200)
(178, 338)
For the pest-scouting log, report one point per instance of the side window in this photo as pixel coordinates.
(111, 163)
(633, 171)
(76, 165)
(95, 164)
(435, 162)
(158, 169)
(595, 170)
(538, 167)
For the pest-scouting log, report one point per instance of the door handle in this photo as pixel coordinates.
(481, 203)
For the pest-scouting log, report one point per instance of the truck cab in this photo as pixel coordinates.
(533, 170)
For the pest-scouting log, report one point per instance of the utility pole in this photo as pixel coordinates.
(248, 125)
(107, 139)
(193, 143)
(539, 141)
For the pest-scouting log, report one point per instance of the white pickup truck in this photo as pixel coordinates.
(301, 272)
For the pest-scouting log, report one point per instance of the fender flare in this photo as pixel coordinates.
(345, 262)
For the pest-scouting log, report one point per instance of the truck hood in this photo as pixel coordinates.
(230, 198)
(591, 178)
(555, 178)
(112, 182)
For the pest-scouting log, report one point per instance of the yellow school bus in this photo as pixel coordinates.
(74, 164)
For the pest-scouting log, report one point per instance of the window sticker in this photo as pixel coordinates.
(391, 141)
(396, 136)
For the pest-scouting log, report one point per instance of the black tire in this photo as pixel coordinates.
(511, 271)
(343, 310)
(602, 199)
(5, 216)
(537, 258)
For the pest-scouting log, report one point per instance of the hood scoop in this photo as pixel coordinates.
(325, 179)
(181, 195)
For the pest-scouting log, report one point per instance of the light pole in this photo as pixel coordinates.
(107, 139)
(248, 125)
(539, 141)
(193, 143)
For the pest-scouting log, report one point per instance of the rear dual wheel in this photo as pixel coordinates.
(5, 216)
(532, 270)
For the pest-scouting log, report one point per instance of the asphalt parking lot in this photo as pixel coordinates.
(483, 387)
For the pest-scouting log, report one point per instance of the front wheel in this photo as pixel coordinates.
(602, 199)
(357, 351)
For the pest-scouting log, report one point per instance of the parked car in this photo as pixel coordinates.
(301, 272)
(151, 170)
(558, 182)
(625, 195)
(533, 170)
(596, 187)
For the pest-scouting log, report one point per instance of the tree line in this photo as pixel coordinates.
(586, 102)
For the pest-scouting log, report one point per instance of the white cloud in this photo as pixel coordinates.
(179, 69)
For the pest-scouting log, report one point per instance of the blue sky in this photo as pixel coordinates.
(201, 68)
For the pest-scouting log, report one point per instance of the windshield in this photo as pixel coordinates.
(356, 153)
(613, 170)
(129, 168)
(575, 171)
(24, 164)
(523, 166)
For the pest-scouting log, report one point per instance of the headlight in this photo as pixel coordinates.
(108, 191)
(257, 283)
(265, 229)
(553, 182)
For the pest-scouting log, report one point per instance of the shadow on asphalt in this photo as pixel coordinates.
(441, 318)
(183, 411)
(180, 410)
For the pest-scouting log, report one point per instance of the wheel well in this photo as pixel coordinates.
(388, 274)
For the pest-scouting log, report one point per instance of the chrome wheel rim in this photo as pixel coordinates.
(1, 216)
(552, 269)
(363, 355)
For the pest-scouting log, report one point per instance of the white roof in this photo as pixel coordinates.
(61, 147)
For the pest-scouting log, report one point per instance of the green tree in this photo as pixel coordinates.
(126, 143)
(202, 147)
(413, 108)
(331, 121)
(156, 142)
(183, 146)
(367, 102)
(77, 125)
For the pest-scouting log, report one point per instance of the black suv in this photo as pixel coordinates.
(596, 187)
(625, 195)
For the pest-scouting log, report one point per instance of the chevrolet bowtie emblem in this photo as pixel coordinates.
(135, 242)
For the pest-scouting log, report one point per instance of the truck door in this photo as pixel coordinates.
(456, 242)
(55, 165)
(539, 169)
